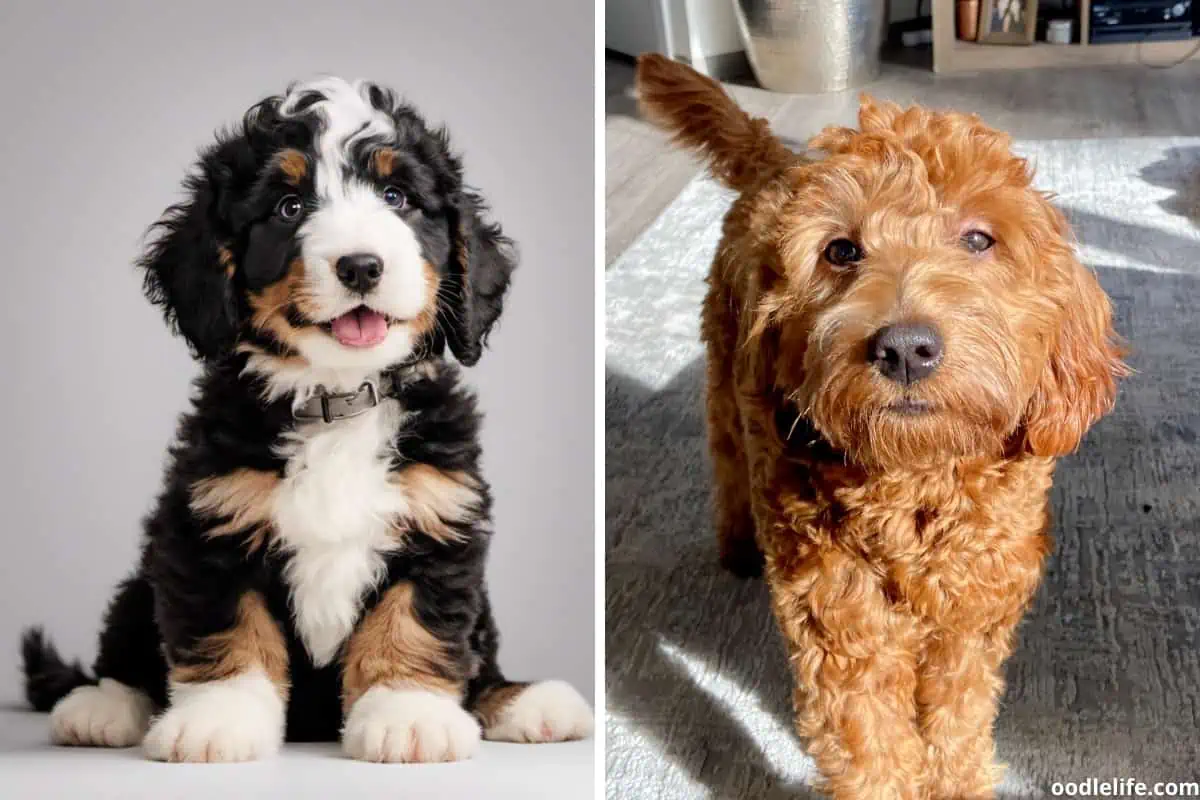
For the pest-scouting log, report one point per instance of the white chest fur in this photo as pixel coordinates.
(334, 514)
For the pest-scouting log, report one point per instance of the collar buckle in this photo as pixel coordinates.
(338, 405)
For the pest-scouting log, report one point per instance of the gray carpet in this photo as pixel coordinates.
(1106, 682)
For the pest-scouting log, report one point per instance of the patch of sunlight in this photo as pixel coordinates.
(777, 741)
(634, 759)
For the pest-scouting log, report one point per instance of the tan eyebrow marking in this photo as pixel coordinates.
(293, 164)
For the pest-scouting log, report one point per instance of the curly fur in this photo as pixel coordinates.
(901, 549)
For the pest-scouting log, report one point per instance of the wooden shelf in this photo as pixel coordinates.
(952, 55)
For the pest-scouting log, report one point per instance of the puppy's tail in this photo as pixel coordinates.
(739, 148)
(48, 678)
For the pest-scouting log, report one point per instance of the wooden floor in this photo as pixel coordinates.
(644, 175)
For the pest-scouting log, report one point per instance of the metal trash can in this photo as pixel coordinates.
(809, 46)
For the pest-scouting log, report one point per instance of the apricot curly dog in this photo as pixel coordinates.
(900, 344)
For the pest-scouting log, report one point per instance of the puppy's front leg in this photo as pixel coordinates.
(403, 685)
(958, 691)
(854, 662)
(228, 689)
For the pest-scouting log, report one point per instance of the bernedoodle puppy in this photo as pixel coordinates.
(900, 344)
(315, 562)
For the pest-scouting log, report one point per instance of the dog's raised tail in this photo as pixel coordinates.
(738, 148)
(48, 678)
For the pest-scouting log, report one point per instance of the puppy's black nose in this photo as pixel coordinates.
(359, 272)
(905, 353)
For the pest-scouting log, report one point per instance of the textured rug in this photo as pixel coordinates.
(1106, 681)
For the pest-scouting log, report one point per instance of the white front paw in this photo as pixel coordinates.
(108, 715)
(238, 719)
(550, 711)
(409, 725)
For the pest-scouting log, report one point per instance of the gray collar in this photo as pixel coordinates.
(326, 406)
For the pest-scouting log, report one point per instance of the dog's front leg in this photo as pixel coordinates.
(959, 686)
(228, 687)
(403, 683)
(854, 662)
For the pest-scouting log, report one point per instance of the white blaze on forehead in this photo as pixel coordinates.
(347, 117)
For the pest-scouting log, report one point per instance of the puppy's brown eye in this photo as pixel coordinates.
(843, 253)
(289, 208)
(394, 197)
(977, 241)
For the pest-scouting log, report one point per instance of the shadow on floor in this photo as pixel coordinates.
(1179, 172)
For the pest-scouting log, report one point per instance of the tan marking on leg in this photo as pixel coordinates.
(244, 496)
(490, 706)
(254, 641)
(437, 498)
(392, 648)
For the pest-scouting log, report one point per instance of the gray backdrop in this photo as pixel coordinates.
(104, 106)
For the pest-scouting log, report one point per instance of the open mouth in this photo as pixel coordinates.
(911, 407)
(360, 327)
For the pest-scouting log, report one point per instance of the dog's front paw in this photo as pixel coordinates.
(550, 711)
(409, 725)
(108, 715)
(238, 719)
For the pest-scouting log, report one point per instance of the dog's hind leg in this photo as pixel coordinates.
(113, 709)
(546, 711)
(739, 552)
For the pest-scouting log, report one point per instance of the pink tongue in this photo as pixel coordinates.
(361, 327)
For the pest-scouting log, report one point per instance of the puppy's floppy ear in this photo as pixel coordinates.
(482, 259)
(1078, 384)
(188, 268)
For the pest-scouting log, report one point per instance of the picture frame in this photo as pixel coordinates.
(1007, 21)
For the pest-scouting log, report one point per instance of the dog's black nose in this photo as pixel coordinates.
(905, 353)
(359, 272)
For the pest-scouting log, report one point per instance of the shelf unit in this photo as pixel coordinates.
(952, 55)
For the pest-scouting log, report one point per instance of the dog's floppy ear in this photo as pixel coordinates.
(188, 267)
(1078, 384)
(482, 259)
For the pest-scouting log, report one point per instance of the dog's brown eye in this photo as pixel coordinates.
(843, 252)
(394, 197)
(977, 241)
(289, 207)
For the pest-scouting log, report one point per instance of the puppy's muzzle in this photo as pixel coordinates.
(905, 353)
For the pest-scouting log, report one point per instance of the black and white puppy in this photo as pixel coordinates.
(315, 562)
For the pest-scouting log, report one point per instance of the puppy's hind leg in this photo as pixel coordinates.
(533, 713)
(739, 552)
(113, 709)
